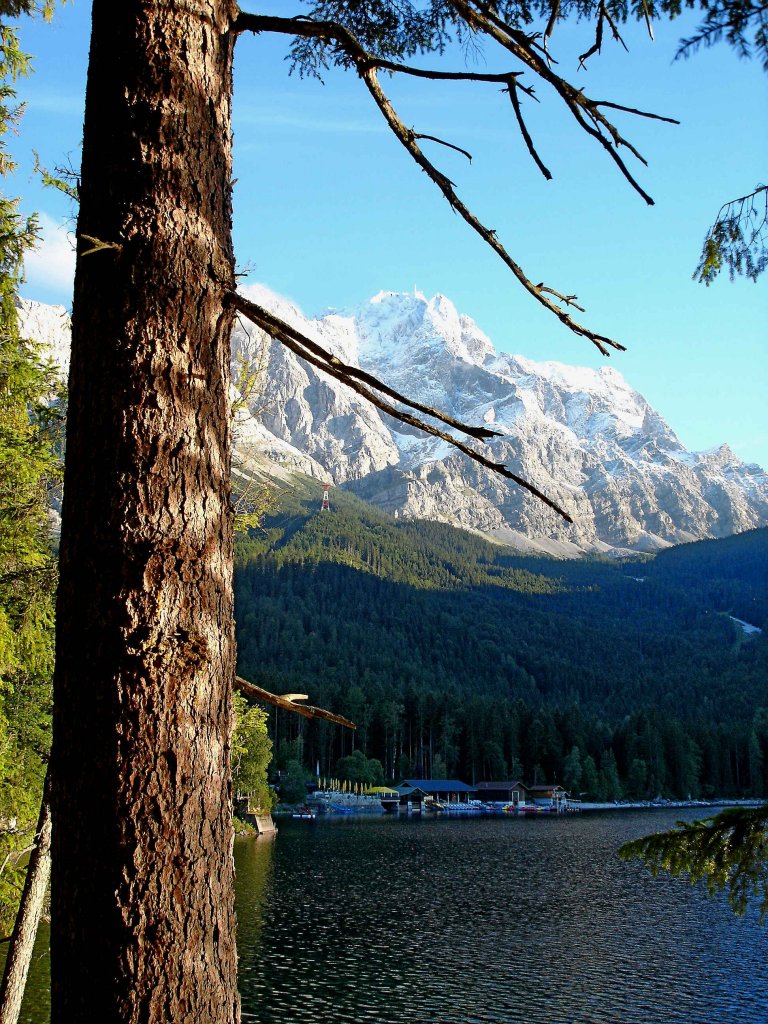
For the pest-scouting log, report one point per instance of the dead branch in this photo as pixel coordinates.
(552, 19)
(308, 350)
(615, 29)
(28, 917)
(289, 702)
(633, 110)
(482, 19)
(332, 32)
(442, 142)
(602, 342)
(569, 300)
(517, 43)
(270, 323)
(524, 132)
(647, 16)
(597, 46)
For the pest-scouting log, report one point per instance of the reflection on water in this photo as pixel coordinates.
(253, 858)
(464, 921)
(394, 921)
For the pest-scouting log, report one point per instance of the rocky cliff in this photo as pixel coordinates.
(583, 436)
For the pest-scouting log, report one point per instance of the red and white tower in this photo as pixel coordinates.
(326, 500)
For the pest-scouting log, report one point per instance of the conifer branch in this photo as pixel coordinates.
(738, 239)
(728, 852)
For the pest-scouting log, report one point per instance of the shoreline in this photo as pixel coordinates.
(665, 805)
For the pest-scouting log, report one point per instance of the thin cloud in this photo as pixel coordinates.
(71, 105)
(51, 264)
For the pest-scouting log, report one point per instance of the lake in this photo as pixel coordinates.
(382, 920)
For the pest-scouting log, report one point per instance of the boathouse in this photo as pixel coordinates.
(418, 791)
(504, 792)
(551, 797)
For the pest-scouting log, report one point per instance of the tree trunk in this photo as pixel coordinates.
(28, 917)
(143, 925)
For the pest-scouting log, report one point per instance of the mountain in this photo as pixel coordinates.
(584, 437)
(50, 326)
(455, 657)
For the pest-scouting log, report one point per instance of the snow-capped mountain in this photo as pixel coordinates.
(584, 437)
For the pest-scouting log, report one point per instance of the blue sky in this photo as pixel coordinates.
(329, 209)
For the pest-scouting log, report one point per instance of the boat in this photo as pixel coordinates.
(462, 809)
(305, 813)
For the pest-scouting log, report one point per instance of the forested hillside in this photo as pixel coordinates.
(457, 657)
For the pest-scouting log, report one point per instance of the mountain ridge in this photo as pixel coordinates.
(583, 436)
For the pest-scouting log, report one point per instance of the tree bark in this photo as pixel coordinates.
(143, 926)
(28, 916)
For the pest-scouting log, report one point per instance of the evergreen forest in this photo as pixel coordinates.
(459, 658)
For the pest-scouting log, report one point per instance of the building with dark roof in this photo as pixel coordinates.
(418, 791)
(554, 796)
(503, 792)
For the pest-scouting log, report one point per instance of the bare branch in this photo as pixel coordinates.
(615, 29)
(633, 110)
(333, 32)
(288, 702)
(602, 342)
(647, 16)
(306, 349)
(523, 47)
(552, 19)
(97, 245)
(270, 323)
(598, 43)
(524, 132)
(442, 142)
(569, 300)
(367, 66)
(553, 16)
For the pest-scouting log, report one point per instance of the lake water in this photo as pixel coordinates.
(383, 920)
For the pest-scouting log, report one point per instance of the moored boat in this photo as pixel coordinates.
(305, 813)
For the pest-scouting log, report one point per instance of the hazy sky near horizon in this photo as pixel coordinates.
(330, 209)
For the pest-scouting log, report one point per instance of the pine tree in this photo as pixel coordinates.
(29, 468)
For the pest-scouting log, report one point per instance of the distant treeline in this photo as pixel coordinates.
(459, 659)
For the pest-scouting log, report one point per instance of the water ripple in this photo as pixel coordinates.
(387, 921)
